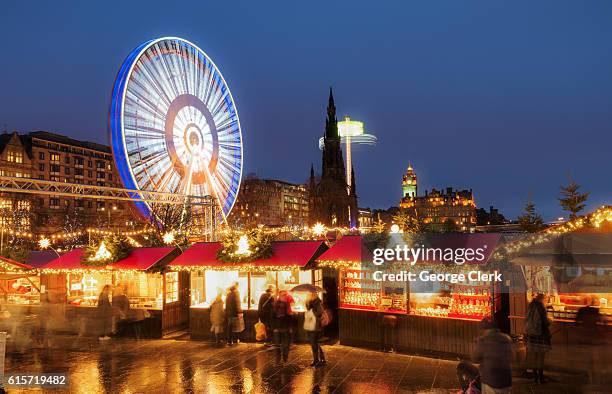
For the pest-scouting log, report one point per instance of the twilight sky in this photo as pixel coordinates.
(508, 98)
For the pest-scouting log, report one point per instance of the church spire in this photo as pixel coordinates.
(331, 123)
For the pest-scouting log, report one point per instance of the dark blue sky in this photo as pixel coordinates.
(506, 97)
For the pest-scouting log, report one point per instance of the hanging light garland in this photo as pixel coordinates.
(596, 219)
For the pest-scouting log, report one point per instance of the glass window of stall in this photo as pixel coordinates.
(172, 287)
(259, 283)
(206, 285)
(568, 288)
(21, 290)
(360, 288)
(144, 290)
(83, 289)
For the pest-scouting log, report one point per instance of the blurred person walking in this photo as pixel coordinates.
(282, 325)
(590, 339)
(121, 311)
(313, 324)
(538, 337)
(493, 350)
(217, 317)
(265, 312)
(233, 309)
(105, 312)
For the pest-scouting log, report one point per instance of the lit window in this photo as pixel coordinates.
(171, 287)
(55, 158)
(10, 156)
(18, 157)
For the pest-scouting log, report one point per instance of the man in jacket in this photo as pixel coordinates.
(493, 351)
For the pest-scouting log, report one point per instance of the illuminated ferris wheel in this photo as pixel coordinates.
(174, 125)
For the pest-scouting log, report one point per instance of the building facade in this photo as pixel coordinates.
(53, 157)
(332, 202)
(440, 210)
(270, 202)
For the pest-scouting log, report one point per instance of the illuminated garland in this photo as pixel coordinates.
(595, 219)
(245, 247)
(338, 264)
(236, 267)
(110, 249)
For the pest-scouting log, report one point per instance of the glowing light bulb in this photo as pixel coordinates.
(44, 243)
(318, 229)
(168, 238)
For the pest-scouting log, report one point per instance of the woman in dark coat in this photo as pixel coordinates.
(537, 334)
(315, 305)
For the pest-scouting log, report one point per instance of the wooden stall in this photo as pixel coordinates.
(291, 264)
(158, 300)
(19, 297)
(401, 315)
(573, 271)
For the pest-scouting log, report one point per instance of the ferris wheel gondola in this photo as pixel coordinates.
(174, 126)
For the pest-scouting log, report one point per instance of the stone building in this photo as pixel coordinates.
(332, 201)
(270, 202)
(441, 210)
(52, 157)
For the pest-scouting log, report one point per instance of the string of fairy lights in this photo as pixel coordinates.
(596, 219)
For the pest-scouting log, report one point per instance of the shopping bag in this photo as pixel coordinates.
(310, 321)
(260, 331)
(238, 324)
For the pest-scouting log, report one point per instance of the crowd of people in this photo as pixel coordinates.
(277, 321)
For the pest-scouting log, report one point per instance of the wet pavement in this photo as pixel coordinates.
(183, 366)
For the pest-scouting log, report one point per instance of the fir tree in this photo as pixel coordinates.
(572, 200)
(530, 221)
(409, 222)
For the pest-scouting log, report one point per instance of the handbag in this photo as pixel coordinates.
(260, 331)
(310, 321)
(238, 323)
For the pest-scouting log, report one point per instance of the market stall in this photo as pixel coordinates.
(19, 297)
(72, 289)
(289, 264)
(573, 271)
(429, 317)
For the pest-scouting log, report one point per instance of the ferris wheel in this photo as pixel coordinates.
(173, 124)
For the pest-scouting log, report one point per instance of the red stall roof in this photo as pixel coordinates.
(284, 254)
(138, 259)
(349, 248)
(12, 265)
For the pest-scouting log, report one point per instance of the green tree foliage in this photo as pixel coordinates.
(409, 222)
(572, 200)
(530, 221)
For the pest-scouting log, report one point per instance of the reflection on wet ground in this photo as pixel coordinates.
(169, 366)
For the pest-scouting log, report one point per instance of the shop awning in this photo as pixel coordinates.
(285, 254)
(348, 250)
(8, 265)
(39, 258)
(138, 259)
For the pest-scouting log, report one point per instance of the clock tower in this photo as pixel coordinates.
(409, 183)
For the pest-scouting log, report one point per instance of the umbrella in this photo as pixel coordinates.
(307, 287)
